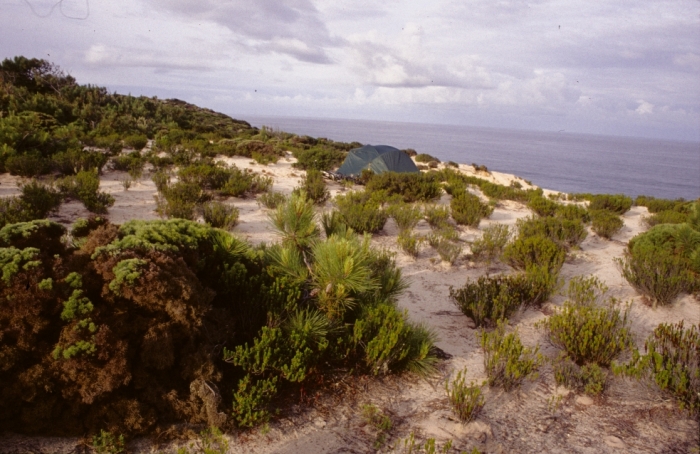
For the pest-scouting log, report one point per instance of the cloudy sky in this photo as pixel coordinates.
(619, 67)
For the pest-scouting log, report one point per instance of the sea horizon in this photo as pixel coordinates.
(561, 161)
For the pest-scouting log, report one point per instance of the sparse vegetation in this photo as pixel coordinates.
(506, 360)
(466, 400)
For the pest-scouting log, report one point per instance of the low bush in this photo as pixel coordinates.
(563, 231)
(136, 141)
(412, 187)
(437, 215)
(492, 242)
(295, 222)
(672, 361)
(424, 157)
(133, 163)
(467, 209)
(657, 274)
(543, 206)
(85, 186)
(655, 205)
(666, 217)
(271, 199)
(74, 160)
(318, 157)
(406, 215)
(589, 333)
(448, 249)
(490, 299)
(506, 361)
(380, 422)
(332, 223)
(535, 250)
(314, 186)
(605, 223)
(360, 212)
(35, 202)
(466, 400)
(589, 378)
(573, 212)
(30, 164)
(409, 243)
(220, 215)
(618, 203)
(180, 200)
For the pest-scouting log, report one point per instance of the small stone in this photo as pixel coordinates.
(614, 442)
(584, 400)
(320, 423)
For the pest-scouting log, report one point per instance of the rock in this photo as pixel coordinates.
(584, 400)
(614, 442)
(320, 423)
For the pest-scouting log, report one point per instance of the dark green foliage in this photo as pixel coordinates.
(589, 333)
(361, 212)
(271, 199)
(220, 215)
(467, 209)
(672, 361)
(180, 200)
(136, 141)
(82, 227)
(490, 299)
(492, 242)
(666, 217)
(605, 223)
(437, 215)
(506, 361)
(655, 205)
(573, 212)
(314, 186)
(106, 443)
(85, 186)
(406, 215)
(74, 160)
(618, 203)
(543, 206)
(589, 378)
(412, 187)
(563, 231)
(35, 202)
(133, 163)
(251, 399)
(466, 400)
(424, 157)
(535, 250)
(319, 157)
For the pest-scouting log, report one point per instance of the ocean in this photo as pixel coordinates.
(559, 161)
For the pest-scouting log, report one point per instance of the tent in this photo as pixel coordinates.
(378, 158)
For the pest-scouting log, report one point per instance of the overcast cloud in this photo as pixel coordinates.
(617, 67)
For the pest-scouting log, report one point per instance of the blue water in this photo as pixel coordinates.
(559, 161)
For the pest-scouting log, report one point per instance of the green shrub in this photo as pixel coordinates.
(535, 250)
(672, 361)
(35, 202)
(466, 400)
(84, 186)
(28, 164)
(133, 163)
(567, 232)
(180, 200)
(314, 186)
(605, 223)
(220, 215)
(379, 421)
(655, 205)
(588, 333)
(406, 215)
(271, 199)
(318, 157)
(657, 274)
(106, 443)
(360, 212)
(543, 206)
(467, 209)
(424, 157)
(74, 160)
(333, 224)
(589, 378)
(506, 361)
(409, 243)
(490, 299)
(295, 222)
(251, 401)
(573, 212)
(136, 141)
(437, 215)
(619, 203)
(412, 187)
(82, 227)
(666, 217)
(448, 250)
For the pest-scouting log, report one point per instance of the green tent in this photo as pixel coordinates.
(379, 159)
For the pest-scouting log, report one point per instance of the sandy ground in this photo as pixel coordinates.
(630, 417)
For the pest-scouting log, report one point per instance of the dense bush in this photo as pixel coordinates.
(466, 400)
(467, 209)
(361, 212)
(180, 200)
(655, 205)
(492, 242)
(666, 217)
(618, 203)
(563, 231)
(406, 215)
(573, 212)
(672, 361)
(590, 333)
(543, 206)
(424, 157)
(437, 216)
(319, 157)
(220, 215)
(314, 186)
(74, 160)
(536, 250)
(605, 223)
(85, 186)
(491, 299)
(271, 199)
(35, 202)
(506, 361)
(412, 187)
(589, 378)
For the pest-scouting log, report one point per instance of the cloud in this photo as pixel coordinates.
(290, 27)
(645, 108)
(103, 55)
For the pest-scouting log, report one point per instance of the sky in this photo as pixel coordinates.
(614, 67)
